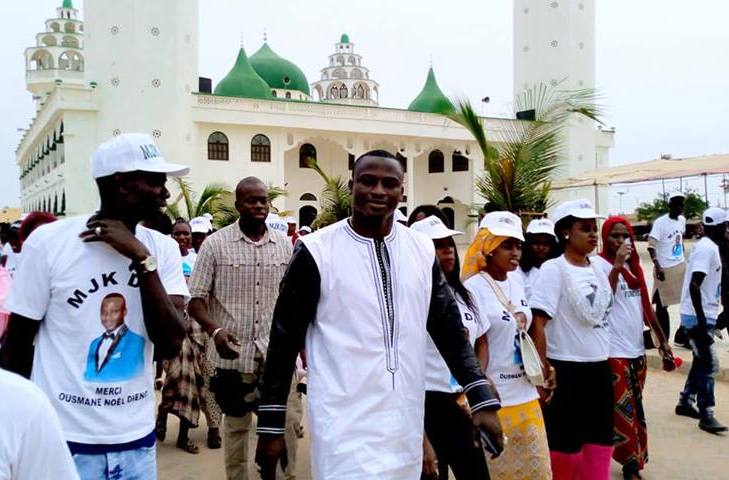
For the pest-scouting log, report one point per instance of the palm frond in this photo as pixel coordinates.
(186, 196)
(275, 193)
(209, 198)
(335, 200)
(519, 166)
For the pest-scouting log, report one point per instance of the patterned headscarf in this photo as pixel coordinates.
(477, 253)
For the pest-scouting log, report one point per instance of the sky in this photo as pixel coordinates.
(661, 64)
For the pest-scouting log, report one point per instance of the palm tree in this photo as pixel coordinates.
(335, 199)
(519, 165)
(209, 201)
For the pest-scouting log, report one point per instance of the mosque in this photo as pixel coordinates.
(131, 69)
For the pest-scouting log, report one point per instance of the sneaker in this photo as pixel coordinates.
(712, 425)
(687, 410)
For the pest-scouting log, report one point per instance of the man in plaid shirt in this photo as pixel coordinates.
(233, 290)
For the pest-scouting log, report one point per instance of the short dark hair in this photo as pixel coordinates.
(376, 154)
(247, 181)
(428, 210)
(115, 295)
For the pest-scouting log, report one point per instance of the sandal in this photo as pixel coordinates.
(188, 446)
(214, 440)
(160, 427)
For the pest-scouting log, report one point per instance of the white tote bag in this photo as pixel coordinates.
(533, 366)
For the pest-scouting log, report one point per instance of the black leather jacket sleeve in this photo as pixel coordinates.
(448, 333)
(295, 309)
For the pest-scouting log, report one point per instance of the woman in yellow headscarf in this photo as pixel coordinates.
(500, 297)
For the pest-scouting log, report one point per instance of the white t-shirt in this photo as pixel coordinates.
(625, 318)
(11, 264)
(438, 377)
(705, 259)
(188, 263)
(505, 367)
(71, 287)
(669, 236)
(31, 441)
(527, 279)
(568, 337)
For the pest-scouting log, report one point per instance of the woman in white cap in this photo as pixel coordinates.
(489, 272)
(539, 246)
(448, 427)
(570, 328)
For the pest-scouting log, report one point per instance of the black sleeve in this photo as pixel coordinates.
(295, 310)
(447, 331)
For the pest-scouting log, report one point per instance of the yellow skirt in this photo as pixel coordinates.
(526, 452)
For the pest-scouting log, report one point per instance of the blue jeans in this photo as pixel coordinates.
(705, 366)
(135, 464)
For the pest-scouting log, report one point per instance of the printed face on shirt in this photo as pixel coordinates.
(376, 186)
(113, 311)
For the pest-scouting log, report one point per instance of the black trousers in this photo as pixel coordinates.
(450, 431)
(581, 410)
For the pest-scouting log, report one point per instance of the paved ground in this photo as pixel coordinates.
(678, 449)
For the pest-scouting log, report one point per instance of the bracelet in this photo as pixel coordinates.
(215, 332)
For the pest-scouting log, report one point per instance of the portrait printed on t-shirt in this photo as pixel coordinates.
(118, 353)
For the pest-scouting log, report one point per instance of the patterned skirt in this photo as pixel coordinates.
(183, 383)
(526, 452)
(631, 433)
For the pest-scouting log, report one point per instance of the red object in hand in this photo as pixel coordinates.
(678, 361)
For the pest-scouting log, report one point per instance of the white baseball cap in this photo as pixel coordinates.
(677, 194)
(305, 228)
(503, 224)
(713, 216)
(541, 225)
(131, 152)
(274, 222)
(200, 225)
(433, 227)
(581, 208)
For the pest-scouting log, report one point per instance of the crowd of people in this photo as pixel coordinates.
(525, 360)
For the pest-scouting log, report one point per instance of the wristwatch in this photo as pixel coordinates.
(148, 265)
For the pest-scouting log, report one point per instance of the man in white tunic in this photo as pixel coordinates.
(363, 294)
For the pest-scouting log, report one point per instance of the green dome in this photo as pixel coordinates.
(431, 98)
(243, 81)
(344, 39)
(278, 72)
(67, 4)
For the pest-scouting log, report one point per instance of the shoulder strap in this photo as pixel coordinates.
(499, 293)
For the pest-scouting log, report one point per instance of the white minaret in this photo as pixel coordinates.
(57, 57)
(345, 79)
(142, 60)
(554, 41)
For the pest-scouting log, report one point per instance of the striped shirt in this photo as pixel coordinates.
(239, 279)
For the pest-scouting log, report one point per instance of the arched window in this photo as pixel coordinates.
(42, 60)
(55, 27)
(436, 162)
(71, 61)
(306, 152)
(334, 91)
(357, 73)
(340, 60)
(343, 93)
(459, 162)
(339, 73)
(308, 197)
(217, 146)
(450, 216)
(69, 41)
(360, 92)
(352, 61)
(273, 92)
(307, 214)
(49, 41)
(260, 149)
(288, 94)
(69, 27)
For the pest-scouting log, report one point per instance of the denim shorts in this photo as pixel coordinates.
(136, 464)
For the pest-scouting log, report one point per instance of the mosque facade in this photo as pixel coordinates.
(113, 73)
